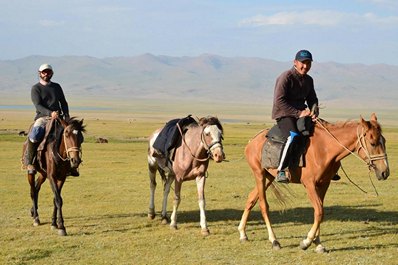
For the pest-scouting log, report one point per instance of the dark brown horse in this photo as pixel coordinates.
(200, 142)
(60, 152)
(328, 146)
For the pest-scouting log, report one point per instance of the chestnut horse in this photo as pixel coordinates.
(61, 152)
(201, 142)
(328, 146)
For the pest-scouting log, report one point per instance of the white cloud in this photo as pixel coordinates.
(50, 23)
(322, 18)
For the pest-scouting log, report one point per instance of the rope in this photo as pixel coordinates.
(190, 151)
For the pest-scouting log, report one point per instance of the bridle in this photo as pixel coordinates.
(360, 144)
(212, 146)
(70, 149)
(208, 148)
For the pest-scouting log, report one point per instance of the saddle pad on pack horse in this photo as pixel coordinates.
(273, 147)
(170, 135)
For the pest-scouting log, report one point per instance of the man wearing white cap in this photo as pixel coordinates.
(49, 101)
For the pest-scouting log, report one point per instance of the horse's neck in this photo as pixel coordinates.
(61, 147)
(193, 139)
(339, 140)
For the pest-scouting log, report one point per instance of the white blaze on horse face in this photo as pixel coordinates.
(75, 132)
(216, 149)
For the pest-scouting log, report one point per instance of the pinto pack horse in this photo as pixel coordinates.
(200, 142)
(328, 146)
(59, 152)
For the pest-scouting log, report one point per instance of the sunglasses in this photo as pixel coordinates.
(47, 72)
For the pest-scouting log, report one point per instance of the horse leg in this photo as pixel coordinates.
(317, 204)
(200, 184)
(35, 186)
(319, 248)
(250, 203)
(166, 190)
(57, 219)
(176, 203)
(152, 188)
(264, 207)
(34, 196)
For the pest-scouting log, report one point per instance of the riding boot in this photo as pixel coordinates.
(31, 151)
(284, 160)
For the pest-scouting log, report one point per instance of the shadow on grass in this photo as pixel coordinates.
(303, 215)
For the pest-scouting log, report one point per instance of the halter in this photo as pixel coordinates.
(208, 148)
(212, 146)
(360, 144)
(69, 149)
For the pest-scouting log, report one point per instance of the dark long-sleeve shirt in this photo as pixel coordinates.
(292, 92)
(49, 98)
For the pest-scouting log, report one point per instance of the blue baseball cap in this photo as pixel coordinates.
(303, 55)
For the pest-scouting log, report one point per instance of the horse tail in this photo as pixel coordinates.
(282, 193)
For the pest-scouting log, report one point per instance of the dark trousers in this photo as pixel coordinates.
(287, 124)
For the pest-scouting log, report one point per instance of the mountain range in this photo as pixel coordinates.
(202, 78)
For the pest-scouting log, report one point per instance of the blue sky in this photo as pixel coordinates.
(350, 31)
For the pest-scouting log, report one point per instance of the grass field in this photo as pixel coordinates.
(105, 209)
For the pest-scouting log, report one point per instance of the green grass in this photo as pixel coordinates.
(105, 209)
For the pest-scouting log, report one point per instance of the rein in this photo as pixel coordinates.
(207, 148)
(68, 149)
(362, 145)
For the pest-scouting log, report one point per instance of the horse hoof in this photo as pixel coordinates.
(36, 222)
(62, 232)
(244, 239)
(54, 227)
(165, 221)
(205, 232)
(320, 249)
(303, 245)
(173, 227)
(276, 245)
(151, 216)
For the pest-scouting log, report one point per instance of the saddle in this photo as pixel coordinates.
(42, 146)
(273, 147)
(170, 137)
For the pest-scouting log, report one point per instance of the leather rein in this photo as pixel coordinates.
(207, 147)
(360, 144)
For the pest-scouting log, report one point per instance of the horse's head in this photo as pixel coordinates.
(212, 137)
(73, 139)
(372, 147)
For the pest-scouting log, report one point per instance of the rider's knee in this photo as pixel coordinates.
(36, 134)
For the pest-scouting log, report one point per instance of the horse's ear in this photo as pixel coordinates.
(364, 123)
(373, 117)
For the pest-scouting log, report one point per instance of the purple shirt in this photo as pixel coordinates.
(293, 93)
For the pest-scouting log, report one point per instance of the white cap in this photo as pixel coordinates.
(45, 67)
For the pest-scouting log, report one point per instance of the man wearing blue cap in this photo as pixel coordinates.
(294, 94)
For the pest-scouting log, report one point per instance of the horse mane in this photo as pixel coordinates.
(76, 124)
(55, 133)
(210, 120)
(338, 124)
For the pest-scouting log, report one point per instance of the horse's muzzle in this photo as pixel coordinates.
(218, 155)
(75, 162)
(382, 175)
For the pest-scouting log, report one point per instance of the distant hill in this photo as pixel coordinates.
(206, 77)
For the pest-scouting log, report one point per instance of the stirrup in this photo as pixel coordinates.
(281, 177)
